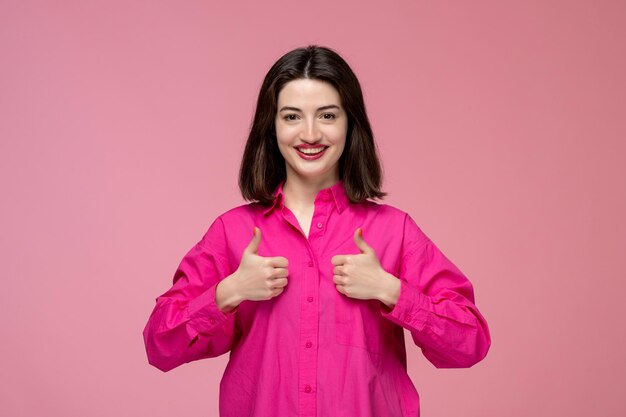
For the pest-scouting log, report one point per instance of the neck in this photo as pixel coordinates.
(300, 192)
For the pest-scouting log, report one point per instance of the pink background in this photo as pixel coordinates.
(501, 126)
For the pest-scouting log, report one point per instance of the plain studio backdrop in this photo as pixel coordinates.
(501, 126)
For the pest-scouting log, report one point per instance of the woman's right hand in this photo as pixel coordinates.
(256, 278)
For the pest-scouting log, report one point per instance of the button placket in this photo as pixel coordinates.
(319, 220)
(309, 333)
(309, 313)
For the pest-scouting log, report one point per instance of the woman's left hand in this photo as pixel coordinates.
(361, 276)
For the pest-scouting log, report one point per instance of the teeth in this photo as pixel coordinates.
(311, 151)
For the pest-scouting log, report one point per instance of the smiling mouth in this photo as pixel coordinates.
(311, 151)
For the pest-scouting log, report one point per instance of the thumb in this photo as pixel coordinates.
(253, 246)
(360, 242)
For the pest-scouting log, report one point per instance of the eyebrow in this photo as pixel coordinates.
(330, 106)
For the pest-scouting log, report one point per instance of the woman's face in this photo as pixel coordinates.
(310, 114)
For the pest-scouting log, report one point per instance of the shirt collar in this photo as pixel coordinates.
(335, 193)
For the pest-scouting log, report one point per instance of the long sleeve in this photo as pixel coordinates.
(186, 324)
(436, 304)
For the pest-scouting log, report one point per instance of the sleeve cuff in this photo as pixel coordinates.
(204, 314)
(411, 310)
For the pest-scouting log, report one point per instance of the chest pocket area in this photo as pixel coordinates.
(358, 323)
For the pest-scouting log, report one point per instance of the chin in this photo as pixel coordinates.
(314, 174)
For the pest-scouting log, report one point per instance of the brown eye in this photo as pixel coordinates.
(332, 116)
(288, 117)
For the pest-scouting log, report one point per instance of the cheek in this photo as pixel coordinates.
(282, 148)
(339, 136)
(281, 137)
(283, 134)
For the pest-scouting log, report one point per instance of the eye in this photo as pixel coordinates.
(288, 117)
(332, 116)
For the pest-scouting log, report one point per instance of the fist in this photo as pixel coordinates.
(359, 275)
(259, 277)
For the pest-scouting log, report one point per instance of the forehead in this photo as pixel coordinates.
(307, 90)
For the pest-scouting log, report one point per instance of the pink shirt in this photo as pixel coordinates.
(313, 351)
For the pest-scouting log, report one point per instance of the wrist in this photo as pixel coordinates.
(226, 295)
(391, 291)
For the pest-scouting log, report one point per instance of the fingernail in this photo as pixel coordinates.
(254, 230)
(360, 232)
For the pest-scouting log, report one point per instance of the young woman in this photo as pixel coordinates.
(311, 285)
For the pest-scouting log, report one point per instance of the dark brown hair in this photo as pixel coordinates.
(263, 166)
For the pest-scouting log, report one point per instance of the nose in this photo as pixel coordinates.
(311, 133)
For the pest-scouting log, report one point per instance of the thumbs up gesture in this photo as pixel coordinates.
(360, 276)
(259, 277)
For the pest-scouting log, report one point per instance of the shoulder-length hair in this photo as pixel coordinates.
(263, 166)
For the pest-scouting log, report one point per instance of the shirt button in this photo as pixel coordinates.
(212, 320)
(310, 299)
(310, 263)
(319, 225)
(309, 344)
(307, 388)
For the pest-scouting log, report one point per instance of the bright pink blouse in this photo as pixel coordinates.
(311, 350)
